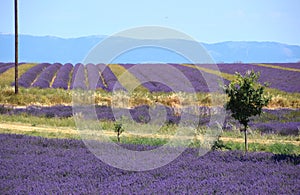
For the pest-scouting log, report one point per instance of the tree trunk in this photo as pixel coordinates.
(16, 48)
(246, 141)
(118, 136)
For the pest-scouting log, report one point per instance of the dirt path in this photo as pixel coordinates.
(27, 128)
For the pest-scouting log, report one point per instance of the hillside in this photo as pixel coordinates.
(53, 49)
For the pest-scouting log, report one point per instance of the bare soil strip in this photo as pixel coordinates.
(23, 128)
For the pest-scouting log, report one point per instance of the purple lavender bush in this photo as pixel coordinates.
(110, 80)
(288, 128)
(28, 77)
(45, 78)
(78, 80)
(93, 76)
(63, 76)
(75, 69)
(5, 66)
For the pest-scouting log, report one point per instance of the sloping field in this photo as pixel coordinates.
(152, 77)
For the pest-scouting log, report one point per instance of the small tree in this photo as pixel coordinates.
(246, 99)
(118, 129)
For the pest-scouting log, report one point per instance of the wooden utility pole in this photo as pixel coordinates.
(16, 48)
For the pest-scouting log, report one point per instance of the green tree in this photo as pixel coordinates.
(118, 129)
(246, 99)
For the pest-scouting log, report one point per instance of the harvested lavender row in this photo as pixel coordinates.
(78, 77)
(279, 79)
(46, 77)
(110, 79)
(28, 77)
(63, 77)
(36, 165)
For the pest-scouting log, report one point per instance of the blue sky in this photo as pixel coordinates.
(206, 21)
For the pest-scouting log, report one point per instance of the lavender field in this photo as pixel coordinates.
(35, 165)
(99, 76)
(40, 165)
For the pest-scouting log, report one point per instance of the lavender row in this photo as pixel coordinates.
(5, 66)
(111, 81)
(35, 165)
(139, 114)
(78, 77)
(280, 79)
(283, 122)
(45, 78)
(28, 77)
(75, 69)
(94, 79)
(63, 77)
(288, 128)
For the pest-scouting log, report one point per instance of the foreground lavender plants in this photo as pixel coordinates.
(35, 165)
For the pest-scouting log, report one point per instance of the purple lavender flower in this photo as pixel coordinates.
(279, 79)
(110, 80)
(94, 78)
(45, 78)
(36, 165)
(5, 66)
(28, 77)
(63, 77)
(78, 77)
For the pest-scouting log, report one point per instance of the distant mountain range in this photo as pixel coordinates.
(73, 50)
